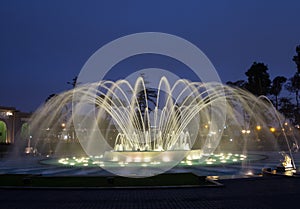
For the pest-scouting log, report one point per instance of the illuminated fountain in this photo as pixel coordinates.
(134, 130)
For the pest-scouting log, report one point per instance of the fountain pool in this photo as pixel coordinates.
(122, 127)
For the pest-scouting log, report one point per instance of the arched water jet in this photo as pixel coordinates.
(187, 124)
(284, 134)
(167, 132)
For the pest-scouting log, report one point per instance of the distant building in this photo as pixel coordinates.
(12, 124)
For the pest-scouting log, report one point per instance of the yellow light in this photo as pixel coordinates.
(213, 177)
(63, 125)
(206, 126)
(272, 129)
(258, 128)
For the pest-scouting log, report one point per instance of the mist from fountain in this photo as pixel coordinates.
(119, 122)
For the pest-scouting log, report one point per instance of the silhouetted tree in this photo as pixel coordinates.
(144, 97)
(296, 58)
(293, 86)
(276, 88)
(259, 82)
(73, 82)
(287, 108)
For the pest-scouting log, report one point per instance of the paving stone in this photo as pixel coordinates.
(252, 193)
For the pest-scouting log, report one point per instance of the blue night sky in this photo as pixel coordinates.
(44, 44)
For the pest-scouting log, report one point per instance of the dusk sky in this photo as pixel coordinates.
(44, 44)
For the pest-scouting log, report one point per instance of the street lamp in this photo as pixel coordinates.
(272, 129)
(258, 127)
(246, 131)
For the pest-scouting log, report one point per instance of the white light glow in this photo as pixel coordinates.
(9, 113)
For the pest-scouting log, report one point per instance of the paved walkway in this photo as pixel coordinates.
(250, 193)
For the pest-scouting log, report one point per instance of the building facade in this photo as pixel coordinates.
(12, 123)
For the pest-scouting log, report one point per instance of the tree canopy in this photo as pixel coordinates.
(276, 88)
(259, 82)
